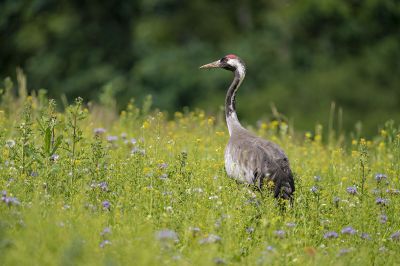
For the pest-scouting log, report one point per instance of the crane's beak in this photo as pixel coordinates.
(212, 65)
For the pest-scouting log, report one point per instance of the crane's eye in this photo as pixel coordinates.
(223, 60)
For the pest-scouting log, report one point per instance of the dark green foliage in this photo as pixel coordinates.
(301, 55)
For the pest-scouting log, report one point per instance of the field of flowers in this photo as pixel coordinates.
(87, 187)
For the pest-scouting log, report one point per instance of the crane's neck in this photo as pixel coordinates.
(230, 110)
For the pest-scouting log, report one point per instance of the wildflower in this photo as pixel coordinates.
(314, 189)
(269, 248)
(382, 201)
(195, 230)
(317, 178)
(103, 186)
(10, 143)
(112, 138)
(123, 135)
(105, 243)
(380, 177)
(290, 224)
(383, 218)
(280, 233)
(250, 230)
(106, 205)
(34, 174)
(9, 200)
(99, 131)
(395, 236)
(54, 157)
(365, 236)
(106, 231)
(213, 197)
(198, 190)
(392, 191)
(169, 209)
(331, 234)
(352, 190)
(163, 165)
(210, 239)
(336, 201)
(348, 230)
(165, 235)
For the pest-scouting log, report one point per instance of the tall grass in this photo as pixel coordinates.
(83, 187)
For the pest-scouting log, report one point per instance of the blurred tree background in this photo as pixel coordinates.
(301, 55)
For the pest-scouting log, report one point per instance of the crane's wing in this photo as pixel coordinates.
(260, 161)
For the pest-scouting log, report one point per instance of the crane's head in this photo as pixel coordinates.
(229, 62)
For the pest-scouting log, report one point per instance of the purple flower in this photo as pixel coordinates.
(106, 205)
(105, 243)
(395, 236)
(112, 138)
(195, 230)
(382, 201)
(210, 239)
(314, 189)
(336, 201)
(54, 157)
(99, 131)
(331, 234)
(163, 165)
(280, 233)
(166, 235)
(9, 200)
(365, 236)
(106, 231)
(103, 185)
(393, 191)
(352, 190)
(348, 230)
(383, 218)
(270, 248)
(380, 177)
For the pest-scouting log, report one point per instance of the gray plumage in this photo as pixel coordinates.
(248, 158)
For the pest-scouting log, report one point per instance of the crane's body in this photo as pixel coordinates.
(248, 158)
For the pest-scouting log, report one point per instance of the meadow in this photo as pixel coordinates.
(85, 186)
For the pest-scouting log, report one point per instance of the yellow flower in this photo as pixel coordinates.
(383, 133)
(274, 124)
(264, 126)
(178, 115)
(354, 142)
(220, 133)
(146, 125)
(308, 135)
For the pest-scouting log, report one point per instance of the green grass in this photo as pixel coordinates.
(159, 194)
